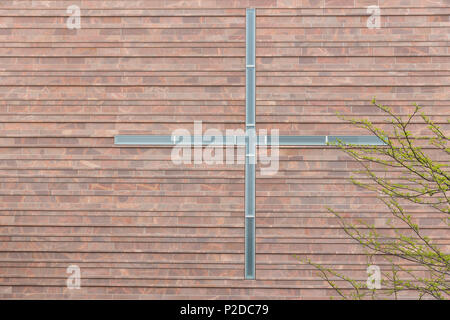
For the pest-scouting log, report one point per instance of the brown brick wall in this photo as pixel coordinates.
(138, 225)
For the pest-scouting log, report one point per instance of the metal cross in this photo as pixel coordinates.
(249, 140)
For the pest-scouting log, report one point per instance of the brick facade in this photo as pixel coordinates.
(138, 225)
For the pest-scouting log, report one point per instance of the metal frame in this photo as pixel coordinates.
(179, 140)
(250, 140)
(241, 140)
(250, 146)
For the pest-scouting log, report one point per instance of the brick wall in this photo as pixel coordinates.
(139, 226)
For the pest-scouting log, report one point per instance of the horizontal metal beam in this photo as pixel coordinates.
(180, 140)
(322, 140)
(241, 140)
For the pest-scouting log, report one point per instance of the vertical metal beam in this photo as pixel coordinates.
(250, 146)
